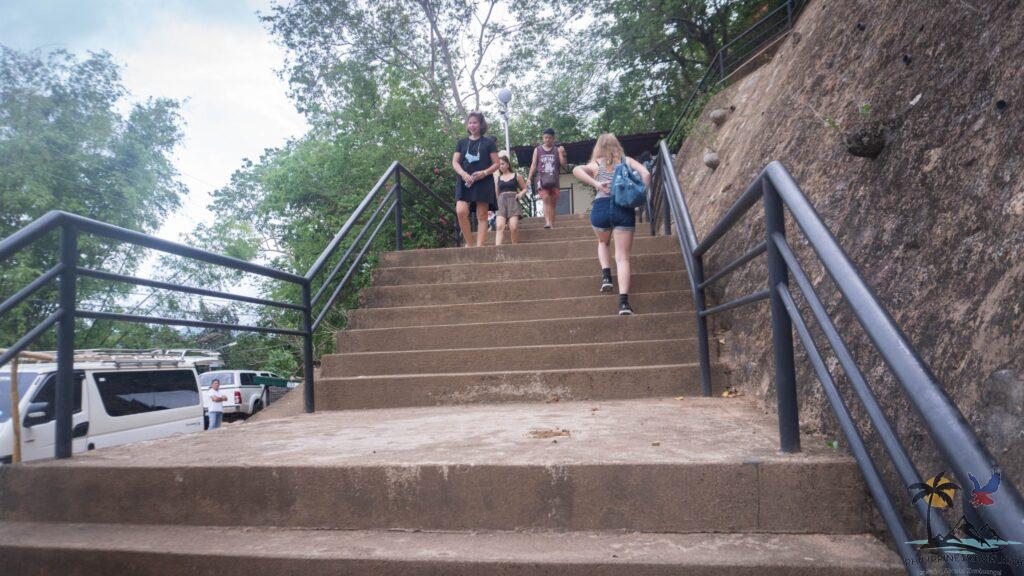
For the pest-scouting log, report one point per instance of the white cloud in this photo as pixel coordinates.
(214, 56)
(234, 104)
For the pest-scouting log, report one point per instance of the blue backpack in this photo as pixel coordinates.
(627, 186)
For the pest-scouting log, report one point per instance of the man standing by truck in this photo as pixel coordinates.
(548, 160)
(216, 410)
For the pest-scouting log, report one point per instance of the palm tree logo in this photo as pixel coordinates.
(938, 492)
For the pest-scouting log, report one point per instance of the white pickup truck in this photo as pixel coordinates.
(246, 395)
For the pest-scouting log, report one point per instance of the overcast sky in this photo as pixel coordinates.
(214, 55)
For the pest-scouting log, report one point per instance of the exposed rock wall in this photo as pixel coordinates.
(935, 223)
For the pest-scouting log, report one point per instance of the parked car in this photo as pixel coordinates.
(118, 398)
(246, 389)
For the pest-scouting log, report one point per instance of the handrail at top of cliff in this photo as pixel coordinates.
(408, 195)
(732, 56)
(956, 441)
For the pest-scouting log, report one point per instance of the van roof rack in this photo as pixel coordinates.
(137, 357)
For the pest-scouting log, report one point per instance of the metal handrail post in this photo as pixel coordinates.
(666, 214)
(652, 197)
(64, 397)
(398, 209)
(308, 396)
(703, 347)
(782, 326)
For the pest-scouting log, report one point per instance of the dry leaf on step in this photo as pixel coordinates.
(548, 433)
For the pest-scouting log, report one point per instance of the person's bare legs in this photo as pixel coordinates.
(603, 251)
(462, 212)
(481, 223)
(513, 226)
(499, 234)
(549, 210)
(623, 245)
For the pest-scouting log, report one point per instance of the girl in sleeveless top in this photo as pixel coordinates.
(608, 219)
(510, 187)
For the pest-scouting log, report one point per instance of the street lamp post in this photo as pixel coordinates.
(504, 97)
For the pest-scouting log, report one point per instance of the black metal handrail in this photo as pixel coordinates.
(775, 24)
(407, 193)
(944, 423)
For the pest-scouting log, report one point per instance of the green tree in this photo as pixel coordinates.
(65, 145)
(454, 52)
(631, 68)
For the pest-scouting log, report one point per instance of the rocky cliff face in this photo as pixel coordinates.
(935, 222)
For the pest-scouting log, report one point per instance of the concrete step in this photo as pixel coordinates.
(610, 328)
(596, 305)
(44, 549)
(562, 221)
(513, 290)
(542, 357)
(642, 244)
(557, 234)
(655, 465)
(667, 262)
(551, 385)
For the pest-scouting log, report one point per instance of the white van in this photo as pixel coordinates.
(119, 398)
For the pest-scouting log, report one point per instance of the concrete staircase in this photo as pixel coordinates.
(485, 413)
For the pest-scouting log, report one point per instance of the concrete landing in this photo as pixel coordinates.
(692, 430)
(662, 465)
(42, 549)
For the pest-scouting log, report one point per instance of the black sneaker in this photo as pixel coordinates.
(606, 284)
(625, 309)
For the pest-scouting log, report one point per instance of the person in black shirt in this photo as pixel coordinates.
(475, 159)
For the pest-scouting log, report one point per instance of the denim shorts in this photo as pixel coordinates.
(605, 215)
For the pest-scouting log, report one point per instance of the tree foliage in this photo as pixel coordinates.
(634, 63)
(443, 51)
(66, 145)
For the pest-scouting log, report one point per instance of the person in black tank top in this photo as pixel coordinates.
(510, 188)
(475, 159)
(547, 164)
